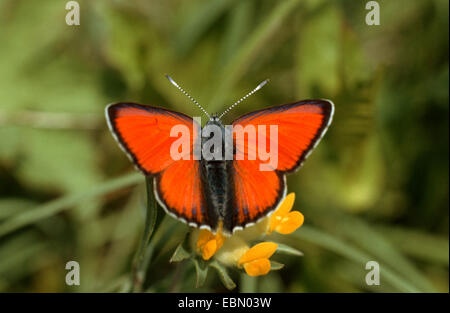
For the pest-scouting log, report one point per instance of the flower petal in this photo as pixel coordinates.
(208, 243)
(209, 249)
(203, 237)
(285, 208)
(287, 204)
(263, 250)
(290, 223)
(257, 267)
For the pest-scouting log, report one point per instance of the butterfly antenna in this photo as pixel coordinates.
(244, 97)
(187, 95)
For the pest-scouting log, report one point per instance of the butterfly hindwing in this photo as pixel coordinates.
(181, 190)
(256, 193)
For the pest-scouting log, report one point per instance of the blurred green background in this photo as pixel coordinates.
(376, 188)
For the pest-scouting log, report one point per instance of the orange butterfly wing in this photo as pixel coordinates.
(143, 132)
(256, 193)
(300, 127)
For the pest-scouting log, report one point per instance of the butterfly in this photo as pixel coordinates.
(218, 193)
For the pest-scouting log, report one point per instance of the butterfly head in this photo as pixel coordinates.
(214, 120)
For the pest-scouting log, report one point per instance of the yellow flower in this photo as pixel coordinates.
(283, 220)
(208, 243)
(256, 260)
(235, 251)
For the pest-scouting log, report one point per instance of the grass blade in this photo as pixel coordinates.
(145, 251)
(56, 206)
(239, 64)
(382, 250)
(338, 246)
(199, 22)
(420, 245)
(285, 249)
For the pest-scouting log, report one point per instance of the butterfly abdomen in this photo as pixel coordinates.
(218, 186)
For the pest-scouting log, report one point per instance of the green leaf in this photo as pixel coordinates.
(201, 269)
(248, 284)
(182, 251)
(275, 266)
(223, 275)
(145, 251)
(285, 249)
(151, 219)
